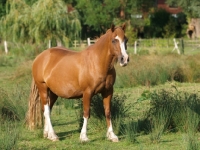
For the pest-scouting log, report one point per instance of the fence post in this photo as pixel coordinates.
(75, 43)
(176, 46)
(88, 41)
(135, 47)
(6, 47)
(49, 44)
(182, 46)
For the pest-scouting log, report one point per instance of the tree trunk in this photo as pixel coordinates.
(196, 23)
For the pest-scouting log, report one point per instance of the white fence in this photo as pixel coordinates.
(174, 45)
(83, 43)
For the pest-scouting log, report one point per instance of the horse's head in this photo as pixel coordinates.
(118, 37)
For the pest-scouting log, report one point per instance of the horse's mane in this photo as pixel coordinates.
(97, 38)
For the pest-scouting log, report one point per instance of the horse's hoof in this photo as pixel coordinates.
(114, 140)
(53, 137)
(83, 138)
(45, 134)
(112, 137)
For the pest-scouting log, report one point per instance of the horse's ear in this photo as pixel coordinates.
(124, 26)
(112, 28)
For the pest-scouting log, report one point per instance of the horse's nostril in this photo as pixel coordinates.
(128, 59)
(122, 58)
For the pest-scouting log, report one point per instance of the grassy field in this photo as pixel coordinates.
(15, 80)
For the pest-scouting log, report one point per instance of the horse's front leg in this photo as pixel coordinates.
(107, 96)
(86, 115)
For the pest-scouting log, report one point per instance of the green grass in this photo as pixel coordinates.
(15, 80)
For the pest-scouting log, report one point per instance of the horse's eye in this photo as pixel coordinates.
(114, 41)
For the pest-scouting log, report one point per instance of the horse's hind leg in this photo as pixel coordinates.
(48, 129)
(107, 96)
(53, 97)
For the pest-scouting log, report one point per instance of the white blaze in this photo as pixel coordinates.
(123, 51)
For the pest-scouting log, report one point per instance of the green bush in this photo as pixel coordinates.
(173, 111)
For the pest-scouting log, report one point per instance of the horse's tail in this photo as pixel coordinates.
(34, 117)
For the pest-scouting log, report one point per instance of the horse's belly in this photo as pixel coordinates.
(66, 90)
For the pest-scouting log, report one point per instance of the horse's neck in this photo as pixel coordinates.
(102, 56)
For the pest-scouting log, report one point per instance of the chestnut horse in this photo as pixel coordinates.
(61, 72)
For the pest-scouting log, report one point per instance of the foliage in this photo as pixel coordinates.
(51, 19)
(158, 20)
(107, 12)
(131, 35)
(2, 7)
(191, 8)
(170, 28)
(15, 23)
(98, 14)
(39, 20)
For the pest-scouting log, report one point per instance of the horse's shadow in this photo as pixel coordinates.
(64, 135)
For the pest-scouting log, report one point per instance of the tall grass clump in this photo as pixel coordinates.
(160, 113)
(8, 60)
(10, 132)
(131, 131)
(157, 69)
(14, 104)
(192, 121)
(13, 107)
(174, 111)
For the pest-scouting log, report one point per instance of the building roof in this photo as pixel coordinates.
(171, 9)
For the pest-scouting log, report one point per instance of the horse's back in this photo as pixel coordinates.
(48, 59)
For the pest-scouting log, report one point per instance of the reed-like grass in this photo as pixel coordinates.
(10, 132)
(13, 107)
(131, 131)
(151, 70)
(174, 111)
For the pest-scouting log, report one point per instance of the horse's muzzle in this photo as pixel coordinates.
(124, 61)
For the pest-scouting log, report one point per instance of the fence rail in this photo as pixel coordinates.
(150, 45)
(83, 43)
(169, 44)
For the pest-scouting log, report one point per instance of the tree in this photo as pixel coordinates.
(2, 8)
(49, 20)
(191, 8)
(14, 24)
(39, 20)
(98, 14)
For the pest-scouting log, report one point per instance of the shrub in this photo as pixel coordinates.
(173, 111)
